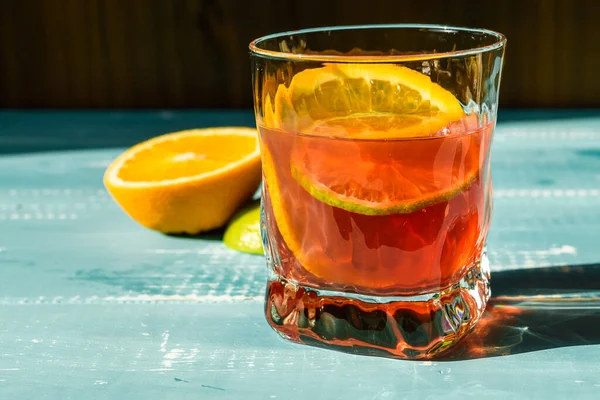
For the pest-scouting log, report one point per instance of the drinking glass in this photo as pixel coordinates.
(376, 195)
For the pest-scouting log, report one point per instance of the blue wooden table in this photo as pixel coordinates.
(94, 306)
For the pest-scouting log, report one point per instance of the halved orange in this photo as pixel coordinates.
(189, 181)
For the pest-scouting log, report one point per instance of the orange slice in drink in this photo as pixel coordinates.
(400, 101)
(279, 204)
(379, 179)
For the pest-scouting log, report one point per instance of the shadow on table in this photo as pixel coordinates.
(533, 115)
(33, 131)
(214, 235)
(537, 309)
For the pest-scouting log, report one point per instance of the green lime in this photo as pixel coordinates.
(243, 232)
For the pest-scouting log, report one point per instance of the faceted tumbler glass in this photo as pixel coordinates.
(376, 196)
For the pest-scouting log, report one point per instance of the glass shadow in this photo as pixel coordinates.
(536, 309)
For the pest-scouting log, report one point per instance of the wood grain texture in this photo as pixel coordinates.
(193, 53)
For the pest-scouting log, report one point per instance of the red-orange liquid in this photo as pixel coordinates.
(401, 253)
(313, 246)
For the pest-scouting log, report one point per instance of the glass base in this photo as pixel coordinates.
(417, 327)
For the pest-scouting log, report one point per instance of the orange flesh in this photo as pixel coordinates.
(185, 157)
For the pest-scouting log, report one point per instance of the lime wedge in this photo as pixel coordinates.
(243, 232)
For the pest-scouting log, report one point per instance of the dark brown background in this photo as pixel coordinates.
(193, 53)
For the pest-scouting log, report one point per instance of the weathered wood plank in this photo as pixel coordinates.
(94, 306)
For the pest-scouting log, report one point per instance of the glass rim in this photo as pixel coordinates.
(282, 55)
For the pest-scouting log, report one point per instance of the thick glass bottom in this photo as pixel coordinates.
(417, 327)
